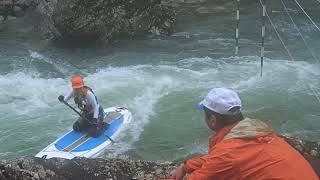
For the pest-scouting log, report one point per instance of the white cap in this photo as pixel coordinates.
(222, 101)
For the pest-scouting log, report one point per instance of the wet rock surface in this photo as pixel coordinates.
(110, 169)
(108, 19)
(192, 7)
(16, 8)
(103, 20)
(310, 151)
(115, 169)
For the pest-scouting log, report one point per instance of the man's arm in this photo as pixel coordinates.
(187, 167)
(94, 104)
(69, 96)
(217, 165)
(194, 163)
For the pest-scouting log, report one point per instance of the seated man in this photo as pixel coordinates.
(242, 148)
(92, 113)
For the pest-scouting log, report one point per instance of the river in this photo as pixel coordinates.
(161, 79)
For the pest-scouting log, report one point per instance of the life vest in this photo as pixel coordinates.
(249, 150)
(80, 100)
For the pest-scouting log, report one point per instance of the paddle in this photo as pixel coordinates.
(61, 99)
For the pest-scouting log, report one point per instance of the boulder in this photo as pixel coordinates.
(101, 20)
(115, 169)
(83, 169)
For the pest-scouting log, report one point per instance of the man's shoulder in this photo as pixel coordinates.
(90, 93)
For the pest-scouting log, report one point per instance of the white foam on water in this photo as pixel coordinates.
(26, 94)
(151, 88)
(36, 55)
(216, 73)
(61, 66)
(243, 75)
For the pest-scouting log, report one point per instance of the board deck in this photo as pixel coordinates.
(81, 141)
(80, 144)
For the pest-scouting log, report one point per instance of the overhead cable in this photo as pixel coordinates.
(307, 15)
(275, 29)
(296, 27)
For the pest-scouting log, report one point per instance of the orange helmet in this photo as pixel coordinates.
(77, 82)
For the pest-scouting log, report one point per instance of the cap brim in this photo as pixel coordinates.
(200, 106)
(77, 87)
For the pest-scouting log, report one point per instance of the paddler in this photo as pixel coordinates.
(92, 113)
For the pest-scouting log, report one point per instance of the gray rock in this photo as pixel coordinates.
(310, 151)
(106, 20)
(122, 169)
(6, 7)
(28, 168)
(100, 20)
(103, 20)
(18, 11)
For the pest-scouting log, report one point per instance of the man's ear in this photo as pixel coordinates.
(212, 121)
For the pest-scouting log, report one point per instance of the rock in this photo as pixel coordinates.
(191, 7)
(21, 3)
(5, 3)
(299, 148)
(122, 169)
(12, 8)
(83, 169)
(18, 11)
(194, 1)
(203, 10)
(6, 7)
(105, 20)
(101, 20)
(314, 153)
(43, 20)
(310, 149)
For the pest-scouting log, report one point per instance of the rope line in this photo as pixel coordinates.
(296, 27)
(314, 92)
(275, 29)
(307, 15)
(308, 84)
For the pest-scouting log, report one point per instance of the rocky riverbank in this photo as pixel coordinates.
(101, 20)
(106, 20)
(115, 169)
(95, 169)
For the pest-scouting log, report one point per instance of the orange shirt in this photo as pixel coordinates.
(249, 150)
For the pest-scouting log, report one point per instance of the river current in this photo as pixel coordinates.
(161, 79)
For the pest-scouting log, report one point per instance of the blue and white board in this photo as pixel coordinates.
(80, 144)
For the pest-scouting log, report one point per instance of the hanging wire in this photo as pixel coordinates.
(307, 15)
(275, 29)
(314, 92)
(296, 27)
(308, 84)
(263, 30)
(237, 28)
